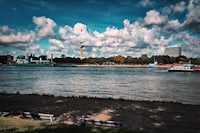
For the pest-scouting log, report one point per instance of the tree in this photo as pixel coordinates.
(128, 60)
(119, 59)
(63, 56)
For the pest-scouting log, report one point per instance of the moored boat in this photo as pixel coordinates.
(153, 65)
(34, 61)
(185, 67)
(36, 64)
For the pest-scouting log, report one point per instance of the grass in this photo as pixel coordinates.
(86, 97)
(12, 125)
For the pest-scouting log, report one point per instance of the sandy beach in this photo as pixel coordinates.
(144, 116)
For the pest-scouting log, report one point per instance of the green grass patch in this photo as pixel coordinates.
(10, 125)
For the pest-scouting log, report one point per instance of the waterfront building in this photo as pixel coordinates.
(21, 59)
(6, 59)
(173, 51)
(32, 60)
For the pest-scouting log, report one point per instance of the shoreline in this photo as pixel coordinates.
(164, 66)
(95, 97)
(147, 116)
(115, 65)
(97, 65)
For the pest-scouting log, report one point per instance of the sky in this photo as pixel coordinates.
(105, 27)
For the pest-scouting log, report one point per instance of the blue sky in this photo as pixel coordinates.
(106, 27)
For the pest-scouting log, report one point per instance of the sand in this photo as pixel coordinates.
(147, 116)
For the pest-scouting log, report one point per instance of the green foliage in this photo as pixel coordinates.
(144, 59)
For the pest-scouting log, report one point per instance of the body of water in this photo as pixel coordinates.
(152, 84)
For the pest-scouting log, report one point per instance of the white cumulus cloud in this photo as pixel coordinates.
(45, 26)
(112, 41)
(21, 40)
(192, 21)
(16, 39)
(190, 44)
(33, 49)
(58, 43)
(180, 7)
(154, 18)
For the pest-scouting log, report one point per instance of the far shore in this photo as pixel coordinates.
(164, 66)
(113, 65)
(147, 116)
(98, 65)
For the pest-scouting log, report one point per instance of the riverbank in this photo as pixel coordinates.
(145, 116)
(112, 65)
(103, 65)
(13, 125)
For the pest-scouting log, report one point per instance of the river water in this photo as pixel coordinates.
(152, 84)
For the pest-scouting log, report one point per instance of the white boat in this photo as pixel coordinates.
(153, 65)
(185, 67)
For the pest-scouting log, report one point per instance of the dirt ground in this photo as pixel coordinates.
(145, 116)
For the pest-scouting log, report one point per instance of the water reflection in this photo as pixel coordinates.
(128, 83)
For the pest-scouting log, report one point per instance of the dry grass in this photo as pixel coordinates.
(13, 125)
(148, 116)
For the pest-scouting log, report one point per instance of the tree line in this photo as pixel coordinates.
(144, 59)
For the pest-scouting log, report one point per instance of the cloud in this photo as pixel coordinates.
(33, 49)
(177, 8)
(172, 26)
(63, 31)
(19, 40)
(16, 39)
(154, 18)
(42, 51)
(26, 40)
(79, 28)
(54, 48)
(149, 35)
(192, 21)
(57, 44)
(112, 41)
(189, 43)
(146, 3)
(180, 7)
(5, 30)
(45, 26)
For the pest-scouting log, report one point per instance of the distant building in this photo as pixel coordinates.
(50, 57)
(6, 59)
(173, 51)
(24, 59)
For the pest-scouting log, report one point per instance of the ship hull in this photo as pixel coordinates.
(36, 65)
(181, 70)
(153, 65)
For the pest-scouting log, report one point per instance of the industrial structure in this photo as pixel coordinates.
(173, 51)
(32, 59)
(81, 50)
(6, 59)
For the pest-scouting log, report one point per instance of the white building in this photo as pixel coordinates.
(173, 51)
